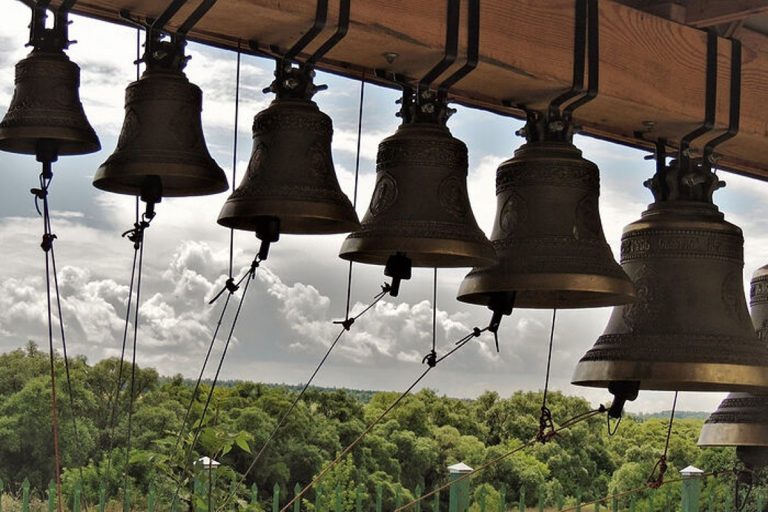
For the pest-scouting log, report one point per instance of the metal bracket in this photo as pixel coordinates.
(734, 111)
(451, 44)
(195, 17)
(710, 102)
(586, 49)
(473, 48)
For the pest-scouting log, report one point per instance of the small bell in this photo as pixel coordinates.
(291, 178)
(689, 329)
(550, 248)
(742, 418)
(420, 207)
(162, 136)
(46, 101)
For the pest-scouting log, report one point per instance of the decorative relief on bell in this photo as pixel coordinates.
(291, 176)
(384, 194)
(420, 206)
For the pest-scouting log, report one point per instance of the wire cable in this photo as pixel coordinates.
(300, 395)
(656, 480)
(357, 179)
(248, 278)
(475, 332)
(546, 423)
(234, 157)
(568, 424)
(47, 245)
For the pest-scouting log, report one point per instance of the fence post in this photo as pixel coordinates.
(276, 498)
(503, 499)
(51, 496)
(760, 500)
(521, 503)
(338, 499)
(319, 498)
(632, 503)
(482, 499)
(254, 494)
(578, 501)
(297, 503)
(417, 494)
(2, 487)
(378, 497)
(541, 500)
(151, 499)
(127, 497)
(76, 498)
(691, 489)
(597, 506)
(436, 501)
(25, 495)
(359, 498)
(398, 497)
(615, 504)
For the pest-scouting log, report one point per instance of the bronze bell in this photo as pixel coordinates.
(162, 137)
(689, 329)
(742, 418)
(420, 208)
(290, 176)
(550, 248)
(46, 102)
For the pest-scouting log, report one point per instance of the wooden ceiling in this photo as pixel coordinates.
(652, 56)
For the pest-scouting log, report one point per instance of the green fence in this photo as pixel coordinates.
(483, 499)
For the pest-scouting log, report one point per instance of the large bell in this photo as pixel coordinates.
(162, 138)
(742, 418)
(290, 176)
(46, 102)
(420, 207)
(689, 329)
(550, 248)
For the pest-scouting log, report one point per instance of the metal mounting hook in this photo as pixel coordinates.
(586, 50)
(473, 48)
(734, 114)
(710, 102)
(451, 44)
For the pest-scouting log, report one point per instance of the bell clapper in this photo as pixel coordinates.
(623, 392)
(268, 231)
(398, 267)
(501, 304)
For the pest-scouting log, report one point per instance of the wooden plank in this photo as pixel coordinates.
(707, 13)
(651, 69)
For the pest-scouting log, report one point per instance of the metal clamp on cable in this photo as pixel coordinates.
(346, 324)
(546, 427)
(430, 359)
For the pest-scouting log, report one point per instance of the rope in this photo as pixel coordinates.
(546, 423)
(357, 179)
(661, 464)
(571, 422)
(137, 236)
(47, 245)
(393, 405)
(118, 383)
(346, 324)
(234, 158)
(637, 490)
(248, 278)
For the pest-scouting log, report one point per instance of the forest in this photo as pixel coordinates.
(411, 448)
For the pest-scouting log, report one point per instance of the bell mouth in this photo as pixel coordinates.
(552, 290)
(178, 180)
(296, 217)
(734, 434)
(423, 252)
(673, 376)
(69, 141)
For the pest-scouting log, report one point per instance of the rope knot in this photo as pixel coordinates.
(386, 288)
(476, 332)
(546, 426)
(658, 481)
(430, 359)
(47, 243)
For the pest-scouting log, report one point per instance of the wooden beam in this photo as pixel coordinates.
(708, 13)
(651, 69)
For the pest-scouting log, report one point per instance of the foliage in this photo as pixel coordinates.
(410, 449)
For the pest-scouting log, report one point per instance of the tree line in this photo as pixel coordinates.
(411, 448)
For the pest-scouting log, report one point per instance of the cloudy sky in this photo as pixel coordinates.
(286, 322)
